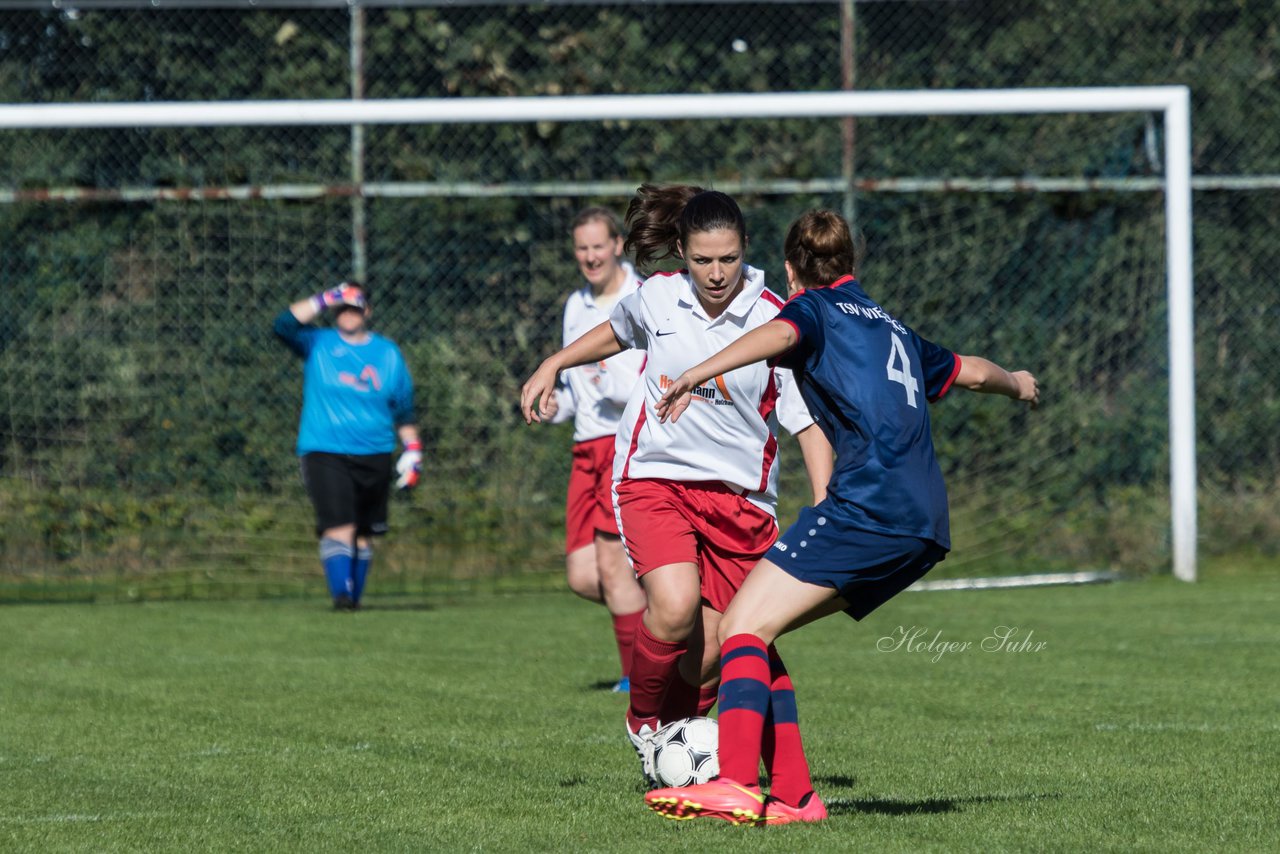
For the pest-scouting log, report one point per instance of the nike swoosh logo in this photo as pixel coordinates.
(660, 333)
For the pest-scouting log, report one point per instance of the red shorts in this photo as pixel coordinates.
(707, 524)
(590, 504)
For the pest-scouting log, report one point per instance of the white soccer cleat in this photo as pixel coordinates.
(642, 741)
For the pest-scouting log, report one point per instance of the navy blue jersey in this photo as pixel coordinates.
(353, 395)
(867, 380)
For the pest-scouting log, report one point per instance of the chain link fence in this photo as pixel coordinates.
(148, 416)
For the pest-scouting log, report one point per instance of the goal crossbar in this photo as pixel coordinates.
(568, 108)
(1172, 102)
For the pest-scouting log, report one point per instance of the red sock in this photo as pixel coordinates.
(624, 629)
(744, 702)
(784, 758)
(653, 664)
(680, 701)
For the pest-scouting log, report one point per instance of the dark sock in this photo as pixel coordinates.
(336, 557)
(653, 665)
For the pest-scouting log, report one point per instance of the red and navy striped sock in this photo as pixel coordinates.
(624, 630)
(744, 702)
(784, 758)
(653, 666)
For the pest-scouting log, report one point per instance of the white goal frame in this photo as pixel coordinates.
(1173, 103)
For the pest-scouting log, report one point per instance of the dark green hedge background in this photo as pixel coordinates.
(147, 416)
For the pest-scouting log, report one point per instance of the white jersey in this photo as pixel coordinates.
(727, 434)
(595, 395)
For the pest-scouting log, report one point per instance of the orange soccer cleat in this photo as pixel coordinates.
(811, 809)
(718, 798)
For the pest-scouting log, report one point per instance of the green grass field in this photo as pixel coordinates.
(1147, 721)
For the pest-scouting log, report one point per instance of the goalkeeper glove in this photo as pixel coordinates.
(344, 294)
(409, 466)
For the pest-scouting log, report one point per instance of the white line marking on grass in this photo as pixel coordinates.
(215, 750)
(220, 750)
(1092, 577)
(1169, 726)
(75, 818)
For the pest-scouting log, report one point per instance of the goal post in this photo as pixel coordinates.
(1172, 103)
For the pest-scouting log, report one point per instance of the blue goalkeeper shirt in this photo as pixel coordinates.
(867, 380)
(353, 395)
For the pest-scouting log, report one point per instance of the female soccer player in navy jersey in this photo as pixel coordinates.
(594, 396)
(695, 500)
(357, 399)
(867, 379)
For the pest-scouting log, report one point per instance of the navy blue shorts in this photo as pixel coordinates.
(866, 568)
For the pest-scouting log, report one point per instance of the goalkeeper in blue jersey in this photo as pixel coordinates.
(357, 400)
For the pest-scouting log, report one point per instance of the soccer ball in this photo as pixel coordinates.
(685, 752)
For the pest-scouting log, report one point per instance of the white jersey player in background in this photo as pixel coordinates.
(695, 498)
(594, 396)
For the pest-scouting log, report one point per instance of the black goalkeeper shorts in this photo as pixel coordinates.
(348, 489)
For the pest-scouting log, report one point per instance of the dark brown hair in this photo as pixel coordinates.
(660, 219)
(821, 249)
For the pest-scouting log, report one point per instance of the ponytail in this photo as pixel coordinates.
(660, 219)
(821, 249)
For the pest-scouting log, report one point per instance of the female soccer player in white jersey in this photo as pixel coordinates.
(594, 396)
(357, 399)
(867, 379)
(695, 500)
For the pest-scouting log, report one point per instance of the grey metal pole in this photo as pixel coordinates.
(359, 257)
(849, 124)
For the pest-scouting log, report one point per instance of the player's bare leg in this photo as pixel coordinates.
(344, 533)
(622, 592)
(692, 690)
(674, 599)
(773, 602)
(769, 603)
(710, 645)
(600, 573)
(583, 574)
(623, 596)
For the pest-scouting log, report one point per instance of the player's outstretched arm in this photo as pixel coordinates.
(599, 343)
(763, 342)
(982, 375)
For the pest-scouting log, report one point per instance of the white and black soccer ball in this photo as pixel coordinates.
(685, 752)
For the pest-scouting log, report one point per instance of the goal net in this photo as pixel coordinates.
(148, 415)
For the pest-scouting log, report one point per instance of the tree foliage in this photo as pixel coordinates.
(136, 353)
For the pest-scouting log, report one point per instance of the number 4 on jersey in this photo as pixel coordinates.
(902, 375)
